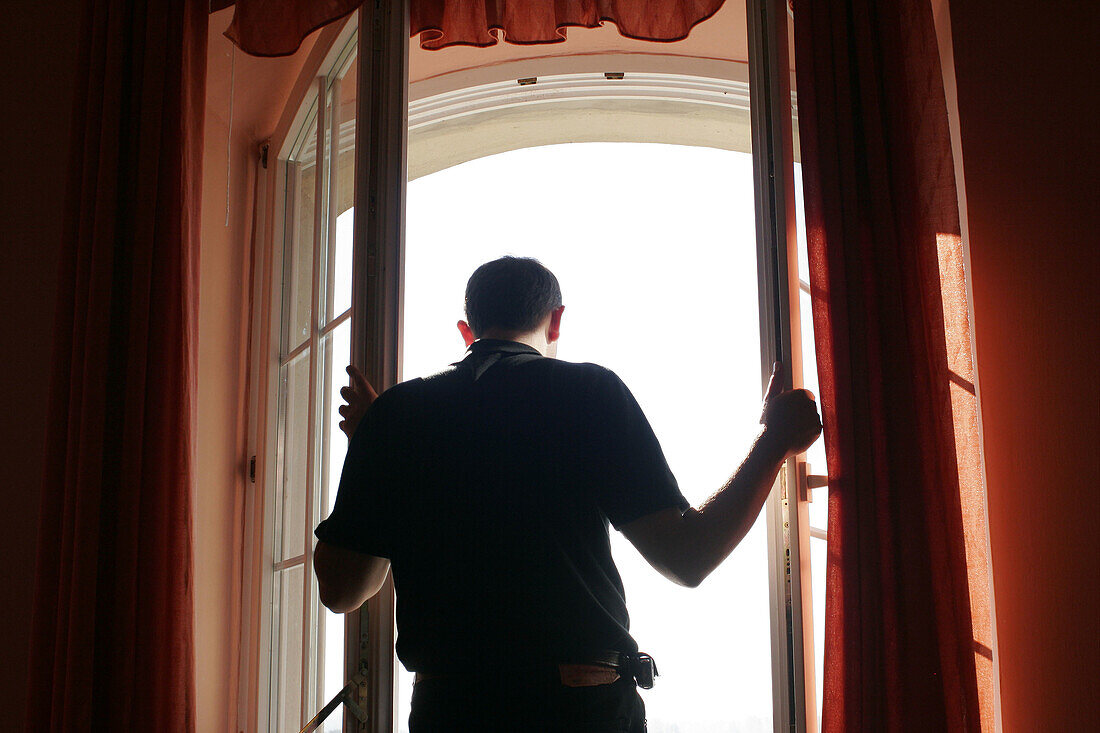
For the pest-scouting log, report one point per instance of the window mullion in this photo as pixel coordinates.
(335, 322)
(294, 352)
(311, 449)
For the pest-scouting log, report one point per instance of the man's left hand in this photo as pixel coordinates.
(359, 396)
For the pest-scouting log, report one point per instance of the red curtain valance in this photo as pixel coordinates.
(277, 27)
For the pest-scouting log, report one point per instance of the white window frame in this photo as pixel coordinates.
(341, 46)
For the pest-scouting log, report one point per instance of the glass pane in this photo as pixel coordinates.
(286, 693)
(298, 244)
(290, 525)
(800, 223)
(660, 285)
(337, 355)
(818, 550)
(344, 192)
(331, 664)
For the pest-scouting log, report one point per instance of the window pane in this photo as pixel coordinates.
(290, 524)
(337, 355)
(800, 222)
(340, 248)
(298, 242)
(331, 663)
(654, 247)
(818, 550)
(286, 692)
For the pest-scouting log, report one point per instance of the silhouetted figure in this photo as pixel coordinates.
(489, 488)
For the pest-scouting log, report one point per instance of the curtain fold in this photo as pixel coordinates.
(112, 644)
(893, 353)
(269, 28)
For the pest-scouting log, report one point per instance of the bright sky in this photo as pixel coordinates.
(654, 248)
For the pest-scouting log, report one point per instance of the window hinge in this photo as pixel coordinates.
(252, 461)
(527, 81)
(613, 75)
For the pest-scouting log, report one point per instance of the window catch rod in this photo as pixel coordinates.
(345, 696)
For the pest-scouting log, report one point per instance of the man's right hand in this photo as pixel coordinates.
(359, 397)
(790, 418)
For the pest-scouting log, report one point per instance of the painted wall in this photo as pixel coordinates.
(1027, 107)
(38, 43)
(221, 464)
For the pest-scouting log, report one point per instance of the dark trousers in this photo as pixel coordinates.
(523, 702)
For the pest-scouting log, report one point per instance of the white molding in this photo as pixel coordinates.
(593, 87)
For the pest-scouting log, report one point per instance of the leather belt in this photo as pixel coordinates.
(599, 669)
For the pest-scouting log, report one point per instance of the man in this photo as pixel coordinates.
(489, 488)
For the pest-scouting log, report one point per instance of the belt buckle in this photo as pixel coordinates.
(644, 669)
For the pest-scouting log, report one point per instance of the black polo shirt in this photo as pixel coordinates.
(490, 487)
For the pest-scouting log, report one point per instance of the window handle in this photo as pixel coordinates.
(807, 482)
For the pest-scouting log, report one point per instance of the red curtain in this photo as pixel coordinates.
(885, 272)
(112, 645)
(268, 28)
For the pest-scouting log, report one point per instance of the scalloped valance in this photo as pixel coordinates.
(277, 27)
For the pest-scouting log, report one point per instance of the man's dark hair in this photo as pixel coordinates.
(513, 294)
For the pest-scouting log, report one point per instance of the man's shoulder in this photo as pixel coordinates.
(589, 371)
(578, 368)
(572, 372)
(580, 374)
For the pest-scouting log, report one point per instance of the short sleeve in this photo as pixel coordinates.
(365, 513)
(628, 468)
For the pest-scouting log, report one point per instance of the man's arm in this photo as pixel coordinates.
(686, 547)
(345, 578)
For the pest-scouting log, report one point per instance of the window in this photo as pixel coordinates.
(307, 640)
(467, 123)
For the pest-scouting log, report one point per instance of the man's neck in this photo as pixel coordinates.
(534, 339)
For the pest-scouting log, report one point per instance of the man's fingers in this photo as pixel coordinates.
(775, 384)
(361, 383)
(358, 381)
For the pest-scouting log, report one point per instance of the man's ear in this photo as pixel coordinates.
(554, 331)
(467, 332)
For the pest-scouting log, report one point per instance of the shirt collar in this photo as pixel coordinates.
(484, 353)
(488, 346)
